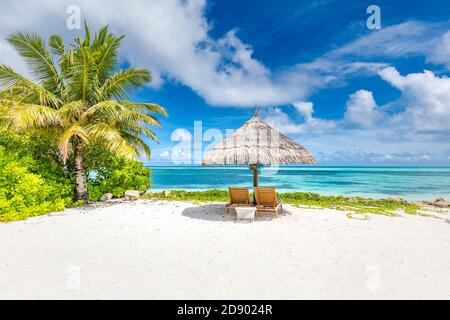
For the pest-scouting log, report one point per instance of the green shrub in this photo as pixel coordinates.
(24, 192)
(116, 175)
(34, 181)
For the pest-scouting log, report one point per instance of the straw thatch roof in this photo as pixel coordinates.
(257, 143)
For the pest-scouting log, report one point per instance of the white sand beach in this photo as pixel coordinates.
(178, 250)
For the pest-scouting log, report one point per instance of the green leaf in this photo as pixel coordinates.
(56, 45)
(31, 48)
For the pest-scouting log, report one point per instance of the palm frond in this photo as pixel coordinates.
(82, 75)
(113, 139)
(114, 112)
(124, 148)
(26, 88)
(124, 83)
(74, 131)
(139, 118)
(99, 38)
(139, 143)
(71, 112)
(4, 121)
(136, 129)
(30, 116)
(56, 45)
(145, 107)
(103, 131)
(12, 93)
(105, 110)
(87, 35)
(31, 48)
(67, 60)
(106, 53)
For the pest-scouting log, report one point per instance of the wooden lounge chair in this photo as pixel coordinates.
(238, 197)
(266, 200)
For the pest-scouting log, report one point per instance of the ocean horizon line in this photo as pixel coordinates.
(413, 183)
(296, 166)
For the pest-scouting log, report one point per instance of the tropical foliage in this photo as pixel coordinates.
(32, 181)
(83, 99)
(115, 175)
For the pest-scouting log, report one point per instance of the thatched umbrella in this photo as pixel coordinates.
(255, 144)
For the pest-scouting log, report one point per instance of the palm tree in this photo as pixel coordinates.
(83, 99)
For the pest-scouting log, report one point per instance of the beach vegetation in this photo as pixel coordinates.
(115, 175)
(82, 101)
(33, 182)
(357, 205)
(30, 185)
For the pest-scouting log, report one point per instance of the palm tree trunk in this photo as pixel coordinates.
(81, 192)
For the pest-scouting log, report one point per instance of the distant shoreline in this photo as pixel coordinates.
(422, 202)
(414, 184)
(294, 166)
(152, 189)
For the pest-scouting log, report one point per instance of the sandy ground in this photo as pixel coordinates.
(161, 250)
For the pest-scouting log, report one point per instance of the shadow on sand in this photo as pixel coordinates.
(217, 212)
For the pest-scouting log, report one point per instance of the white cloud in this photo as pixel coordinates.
(172, 38)
(416, 134)
(181, 135)
(407, 38)
(411, 38)
(364, 157)
(362, 110)
(181, 154)
(10, 58)
(165, 155)
(426, 99)
(241, 54)
(441, 54)
(424, 114)
(280, 120)
(306, 109)
(330, 70)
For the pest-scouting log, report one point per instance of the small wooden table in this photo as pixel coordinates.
(245, 213)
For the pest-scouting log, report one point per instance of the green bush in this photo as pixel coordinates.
(116, 175)
(24, 192)
(33, 180)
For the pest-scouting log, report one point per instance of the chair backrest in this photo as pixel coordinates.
(239, 195)
(266, 196)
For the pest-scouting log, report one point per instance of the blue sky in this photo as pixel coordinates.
(349, 94)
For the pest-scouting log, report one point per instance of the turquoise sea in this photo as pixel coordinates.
(375, 182)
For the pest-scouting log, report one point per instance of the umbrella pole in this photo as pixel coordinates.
(254, 168)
